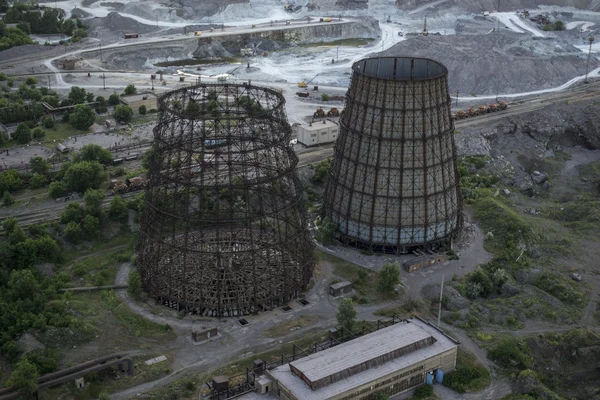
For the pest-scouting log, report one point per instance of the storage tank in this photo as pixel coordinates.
(393, 184)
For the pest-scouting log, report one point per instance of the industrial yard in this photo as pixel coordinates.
(226, 199)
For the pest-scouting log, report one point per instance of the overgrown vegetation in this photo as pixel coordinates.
(320, 171)
(469, 375)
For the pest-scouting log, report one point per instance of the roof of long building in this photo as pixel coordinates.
(341, 368)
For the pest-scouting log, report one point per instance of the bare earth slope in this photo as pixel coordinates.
(505, 5)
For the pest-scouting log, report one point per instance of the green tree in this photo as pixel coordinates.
(346, 315)
(123, 113)
(17, 236)
(103, 396)
(101, 105)
(118, 209)
(93, 201)
(7, 199)
(130, 89)
(134, 286)
(38, 165)
(142, 109)
(84, 175)
(73, 212)
(325, 229)
(94, 152)
(77, 95)
(24, 377)
(38, 181)
(58, 189)
(31, 81)
(38, 133)
(9, 224)
(10, 181)
(324, 97)
(83, 117)
(389, 277)
(89, 97)
(48, 122)
(114, 99)
(91, 226)
(559, 25)
(22, 135)
(73, 232)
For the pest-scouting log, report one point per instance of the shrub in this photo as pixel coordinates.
(91, 226)
(142, 110)
(346, 314)
(130, 89)
(7, 199)
(135, 285)
(113, 99)
(57, 189)
(73, 232)
(38, 133)
(325, 229)
(31, 81)
(22, 135)
(423, 391)
(389, 277)
(48, 122)
(481, 277)
(37, 181)
(474, 290)
(324, 97)
(94, 152)
(511, 352)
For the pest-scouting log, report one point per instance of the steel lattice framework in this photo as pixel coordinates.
(393, 184)
(223, 232)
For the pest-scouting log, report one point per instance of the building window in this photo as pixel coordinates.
(313, 135)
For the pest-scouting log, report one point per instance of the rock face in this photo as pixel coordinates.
(454, 301)
(506, 5)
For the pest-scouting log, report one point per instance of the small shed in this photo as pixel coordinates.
(340, 288)
(204, 334)
(220, 383)
(136, 100)
(62, 148)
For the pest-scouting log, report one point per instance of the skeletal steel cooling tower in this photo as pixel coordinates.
(393, 184)
(223, 231)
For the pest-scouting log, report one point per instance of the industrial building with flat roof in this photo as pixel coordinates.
(389, 361)
(136, 100)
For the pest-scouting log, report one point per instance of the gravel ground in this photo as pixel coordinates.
(504, 63)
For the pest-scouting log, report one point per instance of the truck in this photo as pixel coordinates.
(198, 33)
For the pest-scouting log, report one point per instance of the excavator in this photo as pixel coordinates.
(303, 84)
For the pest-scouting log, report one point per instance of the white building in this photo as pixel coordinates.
(317, 133)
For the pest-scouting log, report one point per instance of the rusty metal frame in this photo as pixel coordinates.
(223, 232)
(393, 183)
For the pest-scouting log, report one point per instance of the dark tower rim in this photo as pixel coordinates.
(402, 69)
(164, 104)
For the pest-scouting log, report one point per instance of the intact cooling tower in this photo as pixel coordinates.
(393, 184)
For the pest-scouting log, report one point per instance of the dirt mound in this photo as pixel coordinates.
(497, 63)
(192, 8)
(114, 24)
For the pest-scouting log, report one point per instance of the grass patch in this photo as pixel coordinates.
(60, 132)
(364, 281)
(99, 270)
(406, 309)
(286, 327)
(469, 375)
(135, 324)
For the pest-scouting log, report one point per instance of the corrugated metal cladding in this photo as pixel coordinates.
(393, 183)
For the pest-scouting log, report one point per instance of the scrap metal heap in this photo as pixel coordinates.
(223, 232)
(393, 184)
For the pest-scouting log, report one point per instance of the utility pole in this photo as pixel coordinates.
(337, 55)
(157, 20)
(101, 51)
(440, 307)
(103, 81)
(457, 97)
(49, 85)
(587, 68)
